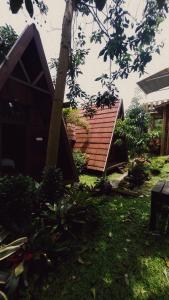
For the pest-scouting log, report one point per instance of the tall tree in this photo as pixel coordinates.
(128, 43)
(63, 65)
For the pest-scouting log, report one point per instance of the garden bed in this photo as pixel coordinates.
(82, 242)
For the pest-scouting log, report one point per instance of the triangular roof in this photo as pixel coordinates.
(155, 82)
(26, 64)
(97, 141)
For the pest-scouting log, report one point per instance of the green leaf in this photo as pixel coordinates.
(3, 296)
(80, 261)
(8, 250)
(29, 7)
(15, 5)
(102, 52)
(100, 4)
(19, 242)
(93, 291)
(19, 269)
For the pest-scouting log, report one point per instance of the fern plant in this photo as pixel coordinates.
(74, 117)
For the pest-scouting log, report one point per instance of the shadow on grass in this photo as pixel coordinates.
(123, 261)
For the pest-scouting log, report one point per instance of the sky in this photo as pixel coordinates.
(50, 31)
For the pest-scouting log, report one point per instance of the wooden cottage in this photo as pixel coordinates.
(158, 109)
(26, 93)
(98, 141)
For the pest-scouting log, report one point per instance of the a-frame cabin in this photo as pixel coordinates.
(98, 141)
(26, 93)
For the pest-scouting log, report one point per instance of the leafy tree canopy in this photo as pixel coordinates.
(128, 43)
(134, 129)
(8, 37)
(16, 5)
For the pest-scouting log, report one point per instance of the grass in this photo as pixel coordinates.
(91, 179)
(122, 261)
(88, 179)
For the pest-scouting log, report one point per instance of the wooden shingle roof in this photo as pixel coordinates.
(97, 140)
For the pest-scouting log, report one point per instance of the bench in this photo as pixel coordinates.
(159, 198)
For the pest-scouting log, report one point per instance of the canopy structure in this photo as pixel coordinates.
(26, 93)
(155, 82)
(98, 141)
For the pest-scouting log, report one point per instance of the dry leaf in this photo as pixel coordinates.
(128, 240)
(19, 269)
(165, 273)
(80, 261)
(126, 278)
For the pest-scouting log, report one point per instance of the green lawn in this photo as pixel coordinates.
(122, 260)
(91, 179)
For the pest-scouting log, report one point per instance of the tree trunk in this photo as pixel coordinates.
(56, 114)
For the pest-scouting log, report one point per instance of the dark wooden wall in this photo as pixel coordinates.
(29, 138)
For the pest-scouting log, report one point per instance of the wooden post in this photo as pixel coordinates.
(155, 201)
(0, 145)
(164, 132)
(152, 125)
(167, 144)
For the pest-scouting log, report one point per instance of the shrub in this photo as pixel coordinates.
(80, 160)
(103, 185)
(73, 116)
(51, 215)
(51, 188)
(155, 142)
(156, 166)
(133, 130)
(138, 172)
(18, 201)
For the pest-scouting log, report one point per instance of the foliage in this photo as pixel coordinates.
(51, 188)
(54, 216)
(16, 5)
(103, 186)
(139, 258)
(156, 165)
(80, 160)
(134, 130)
(129, 44)
(88, 179)
(138, 172)
(155, 141)
(73, 116)
(8, 37)
(11, 268)
(77, 59)
(18, 201)
(63, 222)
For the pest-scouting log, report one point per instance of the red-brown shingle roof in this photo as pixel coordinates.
(96, 142)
